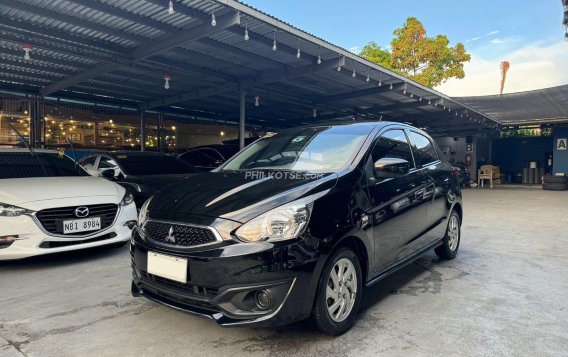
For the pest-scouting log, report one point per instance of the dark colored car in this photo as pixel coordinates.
(207, 158)
(142, 173)
(297, 224)
(462, 173)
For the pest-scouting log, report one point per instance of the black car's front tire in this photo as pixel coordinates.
(451, 241)
(339, 293)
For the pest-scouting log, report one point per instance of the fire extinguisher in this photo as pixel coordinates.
(468, 160)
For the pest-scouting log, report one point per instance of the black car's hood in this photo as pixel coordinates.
(234, 195)
(156, 181)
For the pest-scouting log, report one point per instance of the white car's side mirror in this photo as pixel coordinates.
(94, 173)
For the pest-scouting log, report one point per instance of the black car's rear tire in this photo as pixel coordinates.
(338, 294)
(451, 241)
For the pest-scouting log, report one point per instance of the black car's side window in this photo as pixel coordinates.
(424, 151)
(393, 144)
(89, 162)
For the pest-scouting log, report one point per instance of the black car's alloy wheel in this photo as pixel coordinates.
(451, 242)
(339, 293)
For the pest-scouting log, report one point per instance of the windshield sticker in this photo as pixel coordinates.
(61, 153)
(297, 139)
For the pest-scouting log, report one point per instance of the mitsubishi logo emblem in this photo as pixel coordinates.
(170, 238)
(81, 212)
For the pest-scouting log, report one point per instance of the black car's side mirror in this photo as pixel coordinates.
(108, 174)
(389, 167)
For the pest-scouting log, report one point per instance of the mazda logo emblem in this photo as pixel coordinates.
(81, 212)
(171, 238)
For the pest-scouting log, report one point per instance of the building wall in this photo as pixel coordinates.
(514, 154)
(559, 157)
(457, 151)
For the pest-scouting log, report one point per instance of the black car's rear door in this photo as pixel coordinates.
(398, 213)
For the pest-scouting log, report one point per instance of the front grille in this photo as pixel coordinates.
(51, 219)
(191, 290)
(48, 244)
(183, 235)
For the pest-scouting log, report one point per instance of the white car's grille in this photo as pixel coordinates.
(52, 219)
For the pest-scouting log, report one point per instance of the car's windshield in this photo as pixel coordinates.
(153, 165)
(322, 149)
(23, 164)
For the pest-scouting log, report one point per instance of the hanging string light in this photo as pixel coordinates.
(298, 53)
(167, 78)
(171, 8)
(368, 79)
(246, 32)
(429, 101)
(213, 19)
(354, 74)
(27, 49)
(315, 113)
(339, 64)
(256, 101)
(380, 83)
(390, 88)
(319, 56)
(274, 47)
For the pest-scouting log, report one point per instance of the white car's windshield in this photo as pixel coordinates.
(22, 164)
(322, 149)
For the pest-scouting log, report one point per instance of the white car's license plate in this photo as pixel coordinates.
(82, 225)
(168, 267)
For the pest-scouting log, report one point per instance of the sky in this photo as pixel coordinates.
(527, 33)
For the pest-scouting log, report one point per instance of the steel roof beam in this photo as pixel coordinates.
(182, 9)
(359, 93)
(81, 22)
(258, 81)
(147, 50)
(125, 14)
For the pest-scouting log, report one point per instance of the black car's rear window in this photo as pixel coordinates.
(21, 165)
(153, 165)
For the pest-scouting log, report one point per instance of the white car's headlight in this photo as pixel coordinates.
(285, 222)
(7, 210)
(127, 199)
(143, 215)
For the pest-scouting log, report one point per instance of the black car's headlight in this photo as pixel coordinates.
(143, 215)
(127, 199)
(285, 222)
(7, 210)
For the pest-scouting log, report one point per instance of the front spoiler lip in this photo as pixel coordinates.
(218, 317)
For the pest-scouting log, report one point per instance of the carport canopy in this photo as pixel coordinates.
(220, 56)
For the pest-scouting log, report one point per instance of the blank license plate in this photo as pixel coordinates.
(168, 267)
(82, 225)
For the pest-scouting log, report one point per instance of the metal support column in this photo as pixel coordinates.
(160, 133)
(142, 130)
(242, 121)
(36, 116)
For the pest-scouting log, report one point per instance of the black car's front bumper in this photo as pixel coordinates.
(223, 280)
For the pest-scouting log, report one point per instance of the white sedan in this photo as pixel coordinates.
(48, 204)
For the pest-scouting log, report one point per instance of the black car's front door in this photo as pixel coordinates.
(397, 213)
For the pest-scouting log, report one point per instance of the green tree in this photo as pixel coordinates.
(427, 60)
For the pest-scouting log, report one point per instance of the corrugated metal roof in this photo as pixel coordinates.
(543, 106)
(208, 64)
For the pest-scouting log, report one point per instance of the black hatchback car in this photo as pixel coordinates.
(297, 224)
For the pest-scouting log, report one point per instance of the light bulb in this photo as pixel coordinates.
(354, 74)
(380, 83)
(256, 101)
(171, 8)
(247, 34)
(213, 20)
(420, 99)
(274, 47)
(166, 84)
(429, 101)
(411, 95)
(368, 78)
(298, 54)
(27, 56)
(404, 92)
(338, 68)
(315, 114)
(319, 59)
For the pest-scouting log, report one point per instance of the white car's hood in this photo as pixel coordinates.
(20, 191)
